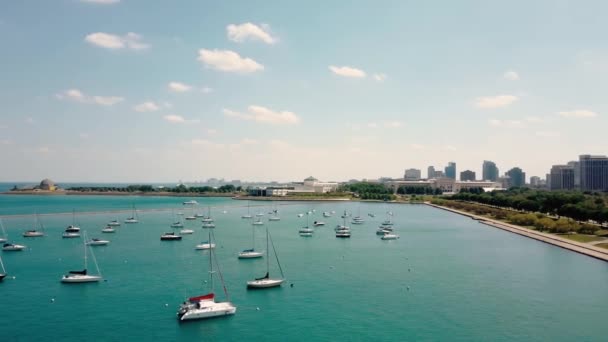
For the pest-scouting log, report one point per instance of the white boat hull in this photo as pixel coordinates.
(250, 255)
(208, 225)
(114, 224)
(13, 248)
(390, 237)
(305, 234)
(131, 221)
(70, 235)
(209, 311)
(204, 246)
(264, 283)
(106, 230)
(98, 243)
(79, 278)
(186, 231)
(33, 234)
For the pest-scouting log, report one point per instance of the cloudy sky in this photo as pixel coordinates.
(158, 90)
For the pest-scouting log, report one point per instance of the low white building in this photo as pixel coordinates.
(311, 184)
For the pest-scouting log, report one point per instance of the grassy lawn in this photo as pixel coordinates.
(581, 237)
(603, 245)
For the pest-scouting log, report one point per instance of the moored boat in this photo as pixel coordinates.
(83, 276)
(170, 237)
(12, 247)
(266, 281)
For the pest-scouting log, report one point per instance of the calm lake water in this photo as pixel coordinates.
(447, 278)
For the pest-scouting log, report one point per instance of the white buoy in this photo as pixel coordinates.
(52, 300)
(166, 305)
(258, 308)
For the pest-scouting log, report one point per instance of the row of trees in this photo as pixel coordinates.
(573, 204)
(370, 191)
(536, 221)
(418, 190)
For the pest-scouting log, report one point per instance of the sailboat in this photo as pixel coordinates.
(108, 229)
(274, 215)
(73, 228)
(12, 247)
(205, 245)
(258, 222)
(306, 231)
(266, 281)
(342, 231)
(191, 216)
(358, 219)
(207, 220)
(133, 218)
(176, 223)
(34, 232)
(205, 306)
(3, 238)
(83, 276)
(3, 273)
(114, 223)
(97, 242)
(251, 253)
(248, 215)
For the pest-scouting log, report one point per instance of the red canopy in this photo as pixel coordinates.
(204, 297)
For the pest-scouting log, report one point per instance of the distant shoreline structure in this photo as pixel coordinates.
(115, 193)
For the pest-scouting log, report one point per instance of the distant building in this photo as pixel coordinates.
(412, 174)
(576, 167)
(505, 182)
(593, 172)
(517, 177)
(430, 172)
(562, 177)
(489, 171)
(47, 185)
(438, 174)
(467, 175)
(447, 185)
(450, 170)
(535, 182)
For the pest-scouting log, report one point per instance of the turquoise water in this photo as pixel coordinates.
(447, 278)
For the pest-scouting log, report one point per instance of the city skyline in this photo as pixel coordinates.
(278, 92)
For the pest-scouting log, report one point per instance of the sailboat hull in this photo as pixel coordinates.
(250, 255)
(264, 283)
(80, 278)
(208, 311)
(2, 276)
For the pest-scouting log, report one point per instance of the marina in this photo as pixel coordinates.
(440, 257)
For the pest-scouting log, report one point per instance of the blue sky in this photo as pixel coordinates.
(143, 90)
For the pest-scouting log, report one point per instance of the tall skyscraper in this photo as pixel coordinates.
(535, 181)
(467, 175)
(489, 171)
(450, 170)
(516, 177)
(412, 174)
(593, 172)
(562, 177)
(576, 167)
(430, 172)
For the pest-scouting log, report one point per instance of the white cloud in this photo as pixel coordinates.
(101, 2)
(506, 123)
(249, 31)
(178, 119)
(495, 101)
(579, 113)
(248, 141)
(110, 41)
(264, 115)
(346, 71)
(393, 124)
(379, 77)
(178, 87)
(148, 106)
(372, 125)
(547, 134)
(534, 119)
(78, 96)
(417, 146)
(511, 75)
(229, 61)
(206, 90)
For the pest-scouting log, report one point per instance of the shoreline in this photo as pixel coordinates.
(117, 193)
(578, 247)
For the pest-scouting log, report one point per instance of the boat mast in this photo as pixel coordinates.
(210, 262)
(267, 259)
(2, 265)
(94, 260)
(2, 227)
(252, 236)
(277, 257)
(84, 242)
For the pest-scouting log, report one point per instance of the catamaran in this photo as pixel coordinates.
(83, 276)
(34, 232)
(266, 281)
(205, 306)
(134, 218)
(251, 253)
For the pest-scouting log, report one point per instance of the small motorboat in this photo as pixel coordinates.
(72, 229)
(250, 254)
(205, 245)
(12, 247)
(170, 237)
(389, 236)
(97, 242)
(186, 231)
(108, 229)
(318, 223)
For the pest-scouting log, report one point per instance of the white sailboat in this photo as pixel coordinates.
(3, 238)
(306, 231)
(190, 202)
(343, 231)
(97, 242)
(191, 217)
(34, 232)
(176, 223)
(258, 222)
(12, 247)
(251, 253)
(205, 245)
(83, 276)
(248, 215)
(389, 236)
(186, 231)
(73, 228)
(205, 306)
(208, 220)
(108, 229)
(134, 218)
(3, 273)
(266, 281)
(114, 223)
